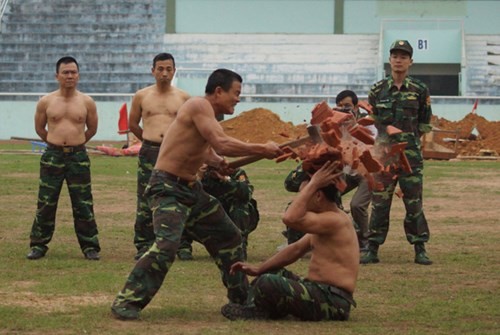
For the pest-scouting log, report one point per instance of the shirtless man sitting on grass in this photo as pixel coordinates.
(326, 292)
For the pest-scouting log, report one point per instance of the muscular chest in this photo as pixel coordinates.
(62, 110)
(161, 106)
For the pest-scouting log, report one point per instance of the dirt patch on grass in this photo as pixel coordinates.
(46, 304)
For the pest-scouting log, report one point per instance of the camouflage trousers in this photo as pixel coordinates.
(179, 205)
(242, 215)
(415, 223)
(143, 228)
(55, 167)
(283, 293)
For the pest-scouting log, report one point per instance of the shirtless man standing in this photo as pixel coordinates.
(157, 106)
(195, 137)
(326, 292)
(66, 119)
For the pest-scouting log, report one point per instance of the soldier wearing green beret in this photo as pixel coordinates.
(403, 102)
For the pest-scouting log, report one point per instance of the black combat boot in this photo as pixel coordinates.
(372, 255)
(420, 254)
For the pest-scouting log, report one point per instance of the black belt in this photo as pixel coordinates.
(173, 177)
(151, 143)
(67, 149)
(343, 294)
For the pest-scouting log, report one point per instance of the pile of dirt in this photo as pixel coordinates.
(260, 125)
(474, 133)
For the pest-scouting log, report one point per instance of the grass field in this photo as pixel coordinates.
(65, 294)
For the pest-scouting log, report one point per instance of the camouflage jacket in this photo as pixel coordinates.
(408, 109)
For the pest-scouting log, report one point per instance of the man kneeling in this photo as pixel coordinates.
(326, 292)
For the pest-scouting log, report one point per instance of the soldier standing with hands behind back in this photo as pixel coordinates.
(157, 106)
(66, 119)
(403, 102)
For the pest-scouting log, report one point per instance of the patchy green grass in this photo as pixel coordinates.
(65, 294)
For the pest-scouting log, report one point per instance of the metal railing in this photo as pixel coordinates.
(3, 6)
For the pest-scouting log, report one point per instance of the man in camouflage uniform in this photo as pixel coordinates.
(66, 119)
(235, 194)
(325, 294)
(403, 102)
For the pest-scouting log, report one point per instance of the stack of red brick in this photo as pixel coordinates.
(348, 141)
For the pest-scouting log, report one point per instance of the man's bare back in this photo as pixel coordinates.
(335, 255)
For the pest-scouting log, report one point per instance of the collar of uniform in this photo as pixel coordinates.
(406, 82)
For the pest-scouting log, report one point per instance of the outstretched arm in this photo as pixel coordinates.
(203, 116)
(286, 256)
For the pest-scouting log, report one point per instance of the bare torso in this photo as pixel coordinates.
(183, 150)
(335, 257)
(157, 109)
(65, 117)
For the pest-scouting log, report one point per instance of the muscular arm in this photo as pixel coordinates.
(286, 256)
(41, 119)
(91, 120)
(135, 116)
(213, 159)
(203, 117)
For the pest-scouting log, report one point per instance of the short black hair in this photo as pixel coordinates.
(163, 56)
(346, 93)
(66, 60)
(330, 191)
(223, 78)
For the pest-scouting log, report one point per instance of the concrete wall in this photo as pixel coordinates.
(17, 116)
(319, 16)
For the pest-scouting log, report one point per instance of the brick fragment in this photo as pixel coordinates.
(320, 112)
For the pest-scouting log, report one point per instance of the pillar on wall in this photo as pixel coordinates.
(170, 15)
(338, 19)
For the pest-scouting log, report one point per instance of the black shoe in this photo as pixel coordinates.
(92, 255)
(235, 312)
(371, 257)
(122, 313)
(420, 255)
(185, 255)
(35, 253)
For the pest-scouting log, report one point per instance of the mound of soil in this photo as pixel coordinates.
(474, 132)
(260, 125)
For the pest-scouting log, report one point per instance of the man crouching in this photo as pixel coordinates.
(326, 292)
